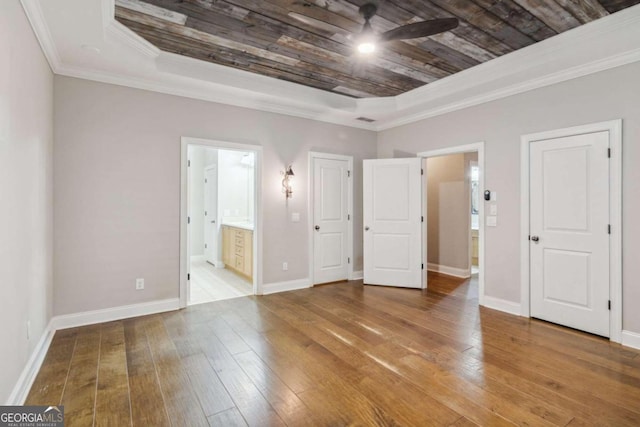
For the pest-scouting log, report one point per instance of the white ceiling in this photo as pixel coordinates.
(82, 39)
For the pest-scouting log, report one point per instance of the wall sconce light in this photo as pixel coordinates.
(287, 182)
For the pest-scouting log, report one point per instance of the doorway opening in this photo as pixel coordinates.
(220, 224)
(455, 219)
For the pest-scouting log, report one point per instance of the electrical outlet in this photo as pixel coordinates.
(285, 266)
(28, 330)
(139, 284)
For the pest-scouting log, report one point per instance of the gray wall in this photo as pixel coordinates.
(117, 192)
(448, 217)
(26, 217)
(608, 95)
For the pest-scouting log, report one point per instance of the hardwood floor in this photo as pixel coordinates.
(337, 355)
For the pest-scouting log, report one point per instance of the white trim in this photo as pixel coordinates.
(469, 148)
(349, 159)
(92, 317)
(614, 127)
(502, 305)
(515, 89)
(40, 27)
(196, 258)
(31, 369)
(290, 285)
(357, 275)
(631, 339)
(184, 207)
(463, 273)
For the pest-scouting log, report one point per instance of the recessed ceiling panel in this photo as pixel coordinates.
(313, 43)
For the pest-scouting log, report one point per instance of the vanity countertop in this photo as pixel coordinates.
(245, 225)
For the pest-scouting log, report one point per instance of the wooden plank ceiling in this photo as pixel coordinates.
(310, 42)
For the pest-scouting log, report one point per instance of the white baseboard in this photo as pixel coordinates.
(115, 313)
(631, 339)
(357, 275)
(463, 273)
(501, 305)
(291, 285)
(27, 377)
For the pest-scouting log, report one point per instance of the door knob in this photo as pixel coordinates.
(317, 227)
(213, 222)
(535, 238)
(366, 228)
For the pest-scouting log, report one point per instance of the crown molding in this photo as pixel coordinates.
(131, 61)
(37, 20)
(221, 95)
(515, 89)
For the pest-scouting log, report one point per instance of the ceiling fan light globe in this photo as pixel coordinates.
(366, 48)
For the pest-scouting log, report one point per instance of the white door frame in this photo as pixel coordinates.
(614, 127)
(317, 155)
(461, 149)
(184, 207)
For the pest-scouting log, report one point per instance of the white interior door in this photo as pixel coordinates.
(211, 215)
(392, 205)
(569, 218)
(330, 219)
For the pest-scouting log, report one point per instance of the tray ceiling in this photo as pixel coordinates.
(312, 42)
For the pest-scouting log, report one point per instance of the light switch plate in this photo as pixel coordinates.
(494, 196)
(493, 210)
(492, 221)
(295, 217)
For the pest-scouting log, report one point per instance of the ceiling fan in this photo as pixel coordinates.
(367, 40)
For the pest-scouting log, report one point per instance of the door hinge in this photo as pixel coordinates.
(609, 228)
(609, 305)
(421, 171)
(188, 163)
(421, 219)
(609, 152)
(348, 260)
(205, 246)
(188, 276)
(348, 217)
(205, 213)
(188, 220)
(422, 268)
(205, 181)
(348, 174)
(529, 237)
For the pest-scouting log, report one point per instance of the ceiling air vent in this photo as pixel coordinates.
(365, 119)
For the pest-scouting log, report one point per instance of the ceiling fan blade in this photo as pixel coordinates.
(420, 29)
